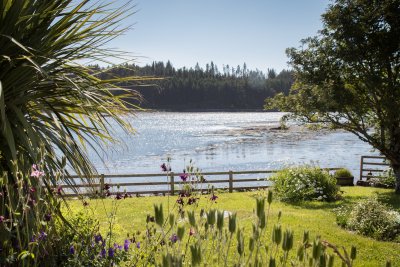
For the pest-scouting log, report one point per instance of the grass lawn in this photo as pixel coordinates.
(317, 217)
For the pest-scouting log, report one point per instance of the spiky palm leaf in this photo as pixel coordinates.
(46, 98)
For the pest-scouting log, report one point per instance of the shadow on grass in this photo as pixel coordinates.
(390, 198)
(318, 205)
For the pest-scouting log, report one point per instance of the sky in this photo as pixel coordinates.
(232, 32)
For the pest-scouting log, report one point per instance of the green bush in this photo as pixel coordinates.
(305, 183)
(387, 179)
(371, 218)
(342, 173)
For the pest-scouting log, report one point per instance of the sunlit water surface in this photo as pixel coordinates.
(218, 141)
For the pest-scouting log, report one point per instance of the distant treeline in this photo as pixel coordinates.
(199, 89)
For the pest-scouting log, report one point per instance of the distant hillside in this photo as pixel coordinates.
(201, 89)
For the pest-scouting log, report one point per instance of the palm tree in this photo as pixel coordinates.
(49, 100)
(51, 106)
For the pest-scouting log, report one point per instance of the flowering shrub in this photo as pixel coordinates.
(305, 183)
(371, 218)
(28, 216)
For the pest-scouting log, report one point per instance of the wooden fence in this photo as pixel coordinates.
(128, 182)
(372, 167)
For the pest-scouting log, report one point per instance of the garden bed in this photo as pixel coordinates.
(315, 216)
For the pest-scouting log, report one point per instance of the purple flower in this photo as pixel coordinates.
(2, 218)
(119, 196)
(116, 246)
(164, 167)
(72, 250)
(111, 252)
(192, 200)
(126, 245)
(42, 235)
(103, 253)
(173, 238)
(98, 238)
(107, 186)
(47, 217)
(213, 197)
(138, 244)
(184, 176)
(179, 201)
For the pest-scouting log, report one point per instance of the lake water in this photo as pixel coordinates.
(222, 141)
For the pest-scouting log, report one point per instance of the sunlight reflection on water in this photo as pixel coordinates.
(222, 141)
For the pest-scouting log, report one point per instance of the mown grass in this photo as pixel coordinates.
(317, 217)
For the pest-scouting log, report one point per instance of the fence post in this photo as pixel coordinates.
(172, 182)
(361, 167)
(102, 185)
(230, 181)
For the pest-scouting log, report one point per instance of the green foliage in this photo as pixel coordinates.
(348, 75)
(304, 183)
(371, 218)
(342, 173)
(46, 98)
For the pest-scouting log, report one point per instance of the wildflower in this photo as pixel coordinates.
(72, 250)
(59, 189)
(184, 176)
(111, 252)
(179, 201)
(192, 200)
(47, 217)
(32, 189)
(138, 244)
(164, 168)
(98, 238)
(173, 238)
(42, 235)
(213, 197)
(126, 245)
(119, 196)
(116, 246)
(192, 231)
(35, 172)
(2, 218)
(103, 253)
(107, 186)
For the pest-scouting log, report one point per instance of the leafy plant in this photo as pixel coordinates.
(342, 173)
(371, 218)
(304, 183)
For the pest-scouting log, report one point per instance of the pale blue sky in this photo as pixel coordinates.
(223, 31)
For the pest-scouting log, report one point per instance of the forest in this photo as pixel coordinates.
(197, 88)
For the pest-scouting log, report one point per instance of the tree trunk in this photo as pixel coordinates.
(396, 170)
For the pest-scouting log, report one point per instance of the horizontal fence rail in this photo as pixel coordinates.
(133, 184)
(372, 167)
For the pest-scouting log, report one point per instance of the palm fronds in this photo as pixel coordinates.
(46, 97)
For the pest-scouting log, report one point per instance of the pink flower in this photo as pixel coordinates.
(35, 172)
